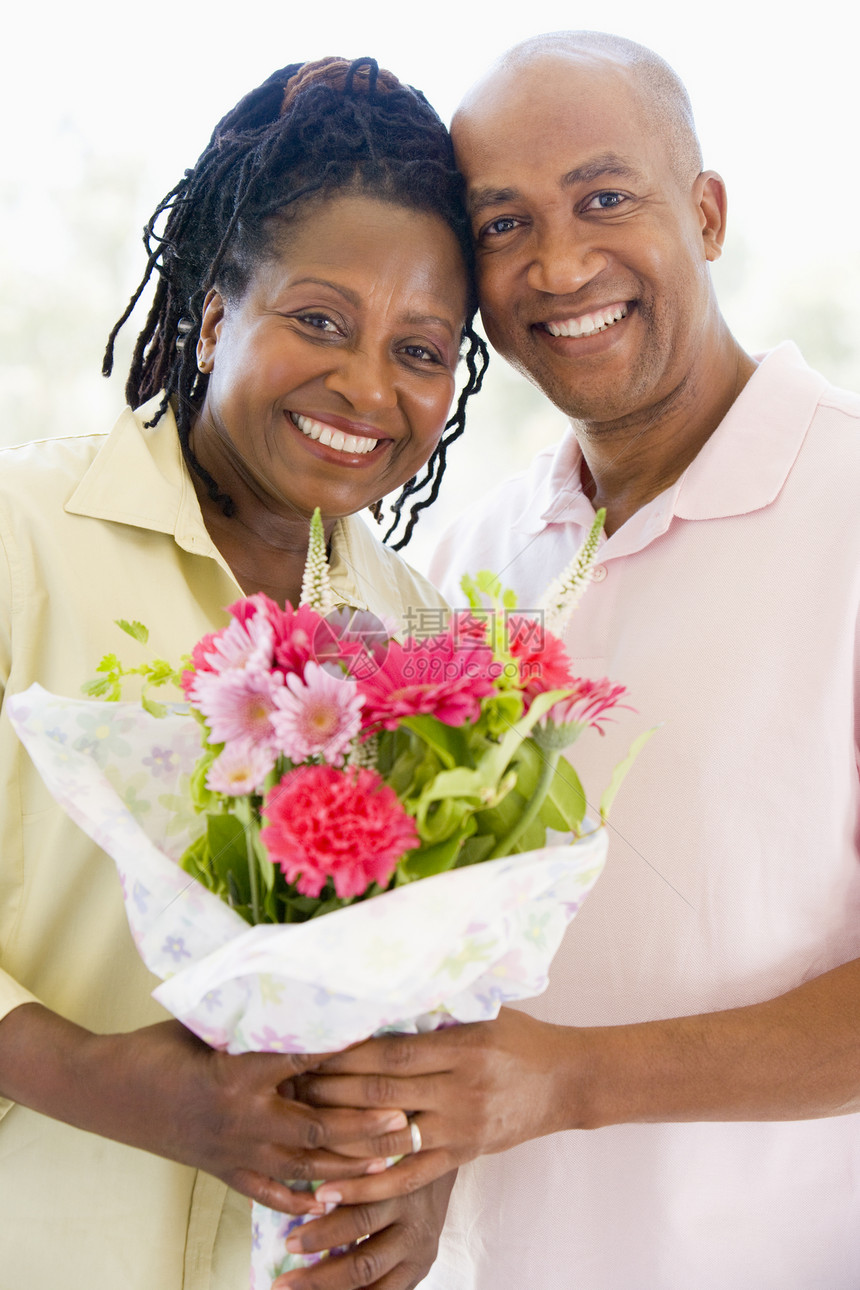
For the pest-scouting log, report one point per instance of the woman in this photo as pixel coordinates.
(313, 295)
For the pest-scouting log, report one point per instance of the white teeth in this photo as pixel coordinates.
(588, 324)
(330, 438)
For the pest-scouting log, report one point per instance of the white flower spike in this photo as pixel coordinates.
(565, 592)
(316, 584)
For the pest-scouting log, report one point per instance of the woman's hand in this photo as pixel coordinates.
(402, 1236)
(165, 1091)
(471, 1090)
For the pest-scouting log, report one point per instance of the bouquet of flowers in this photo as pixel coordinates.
(338, 765)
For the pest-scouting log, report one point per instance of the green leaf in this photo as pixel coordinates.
(566, 797)
(527, 764)
(226, 839)
(448, 743)
(154, 709)
(99, 687)
(136, 630)
(621, 770)
(475, 849)
(426, 861)
(500, 819)
(531, 839)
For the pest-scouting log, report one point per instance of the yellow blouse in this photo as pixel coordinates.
(93, 529)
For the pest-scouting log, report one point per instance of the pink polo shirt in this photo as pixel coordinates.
(728, 606)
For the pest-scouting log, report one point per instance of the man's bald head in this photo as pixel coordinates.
(661, 93)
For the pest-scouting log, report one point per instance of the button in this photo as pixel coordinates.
(598, 573)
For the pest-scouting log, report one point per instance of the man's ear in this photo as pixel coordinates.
(210, 328)
(709, 193)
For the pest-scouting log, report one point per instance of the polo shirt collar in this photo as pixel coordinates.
(139, 478)
(740, 469)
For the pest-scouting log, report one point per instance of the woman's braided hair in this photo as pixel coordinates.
(310, 130)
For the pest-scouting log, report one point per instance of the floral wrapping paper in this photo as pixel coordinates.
(451, 948)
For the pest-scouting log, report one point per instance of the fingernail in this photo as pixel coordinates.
(397, 1120)
(376, 1167)
(329, 1195)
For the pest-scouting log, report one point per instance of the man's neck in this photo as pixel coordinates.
(629, 462)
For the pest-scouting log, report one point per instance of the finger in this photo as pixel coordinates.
(411, 1173)
(399, 1054)
(275, 1195)
(384, 1148)
(416, 1093)
(374, 1263)
(365, 1131)
(343, 1226)
(289, 1167)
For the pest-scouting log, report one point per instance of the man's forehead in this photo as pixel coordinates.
(573, 123)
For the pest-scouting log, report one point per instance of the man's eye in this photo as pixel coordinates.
(607, 201)
(503, 224)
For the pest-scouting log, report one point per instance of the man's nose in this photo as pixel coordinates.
(564, 260)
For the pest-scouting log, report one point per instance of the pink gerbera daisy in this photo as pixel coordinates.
(239, 769)
(317, 715)
(343, 825)
(541, 657)
(587, 706)
(238, 704)
(434, 675)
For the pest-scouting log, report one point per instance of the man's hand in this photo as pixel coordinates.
(472, 1090)
(165, 1091)
(403, 1236)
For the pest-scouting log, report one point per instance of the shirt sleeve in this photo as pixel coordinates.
(11, 993)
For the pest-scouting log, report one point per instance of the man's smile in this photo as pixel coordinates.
(588, 324)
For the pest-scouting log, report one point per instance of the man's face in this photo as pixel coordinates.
(592, 254)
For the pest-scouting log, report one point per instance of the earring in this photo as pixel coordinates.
(184, 326)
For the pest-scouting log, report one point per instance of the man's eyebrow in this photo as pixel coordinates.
(482, 198)
(606, 164)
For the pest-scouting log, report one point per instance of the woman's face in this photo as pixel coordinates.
(333, 375)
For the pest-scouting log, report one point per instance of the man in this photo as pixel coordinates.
(703, 1018)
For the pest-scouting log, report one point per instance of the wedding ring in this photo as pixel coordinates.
(416, 1137)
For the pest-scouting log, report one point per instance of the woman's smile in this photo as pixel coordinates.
(330, 436)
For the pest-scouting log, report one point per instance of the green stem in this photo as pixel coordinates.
(245, 811)
(506, 845)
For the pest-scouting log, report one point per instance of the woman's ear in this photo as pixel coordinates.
(210, 329)
(710, 195)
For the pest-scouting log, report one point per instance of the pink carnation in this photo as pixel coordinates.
(432, 675)
(346, 825)
(541, 657)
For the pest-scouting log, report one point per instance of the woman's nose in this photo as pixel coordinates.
(365, 378)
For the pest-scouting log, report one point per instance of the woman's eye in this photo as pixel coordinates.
(607, 201)
(422, 352)
(320, 322)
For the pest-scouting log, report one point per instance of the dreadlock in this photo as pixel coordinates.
(309, 130)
